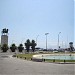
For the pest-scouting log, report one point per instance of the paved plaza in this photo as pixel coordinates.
(16, 66)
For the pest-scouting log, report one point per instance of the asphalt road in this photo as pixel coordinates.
(14, 66)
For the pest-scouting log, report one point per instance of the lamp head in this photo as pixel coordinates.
(46, 33)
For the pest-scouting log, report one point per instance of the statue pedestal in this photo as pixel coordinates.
(4, 39)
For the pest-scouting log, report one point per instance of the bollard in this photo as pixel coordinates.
(31, 58)
(53, 60)
(17, 56)
(64, 61)
(20, 57)
(25, 57)
(44, 60)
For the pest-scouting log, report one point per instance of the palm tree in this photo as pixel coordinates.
(13, 47)
(20, 47)
(4, 47)
(33, 44)
(27, 44)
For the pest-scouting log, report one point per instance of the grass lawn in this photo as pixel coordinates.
(29, 56)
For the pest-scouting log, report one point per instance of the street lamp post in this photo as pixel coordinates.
(36, 38)
(22, 40)
(12, 41)
(58, 40)
(46, 39)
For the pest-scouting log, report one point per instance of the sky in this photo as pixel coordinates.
(74, 23)
(26, 19)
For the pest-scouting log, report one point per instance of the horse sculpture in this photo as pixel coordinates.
(4, 31)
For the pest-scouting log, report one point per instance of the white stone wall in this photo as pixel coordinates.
(4, 39)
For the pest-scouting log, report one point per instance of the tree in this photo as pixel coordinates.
(27, 44)
(13, 47)
(4, 47)
(33, 44)
(71, 46)
(20, 47)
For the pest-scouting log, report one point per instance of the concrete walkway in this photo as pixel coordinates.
(14, 66)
